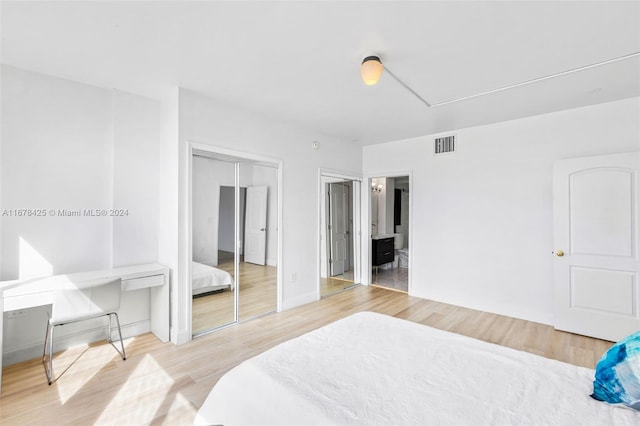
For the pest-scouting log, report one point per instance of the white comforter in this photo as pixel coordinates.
(207, 278)
(371, 369)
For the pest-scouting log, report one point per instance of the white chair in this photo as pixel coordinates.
(101, 299)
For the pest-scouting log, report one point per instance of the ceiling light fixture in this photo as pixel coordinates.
(371, 71)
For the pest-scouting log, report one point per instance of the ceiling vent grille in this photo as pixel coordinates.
(444, 144)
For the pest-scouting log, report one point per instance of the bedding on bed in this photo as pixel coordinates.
(205, 278)
(372, 369)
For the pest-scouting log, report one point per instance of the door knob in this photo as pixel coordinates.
(559, 253)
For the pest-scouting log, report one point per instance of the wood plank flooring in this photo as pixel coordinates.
(329, 286)
(165, 384)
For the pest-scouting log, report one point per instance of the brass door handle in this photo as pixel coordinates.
(559, 253)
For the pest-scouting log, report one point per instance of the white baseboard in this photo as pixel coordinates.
(61, 342)
(299, 300)
(180, 337)
(495, 308)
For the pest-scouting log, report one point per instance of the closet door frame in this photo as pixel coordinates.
(230, 155)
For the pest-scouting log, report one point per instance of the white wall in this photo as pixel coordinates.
(69, 146)
(207, 121)
(135, 179)
(482, 218)
(56, 154)
(168, 214)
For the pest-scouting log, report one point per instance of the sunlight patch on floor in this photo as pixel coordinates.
(69, 384)
(78, 365)
(145, 389)
(181, 409)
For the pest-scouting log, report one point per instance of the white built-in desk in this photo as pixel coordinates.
(21, 294)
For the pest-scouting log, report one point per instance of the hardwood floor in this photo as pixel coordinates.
(329, 286)
(165, 384)
(335, 284)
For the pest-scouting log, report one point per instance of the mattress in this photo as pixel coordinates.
(205, 278)
(372, 369)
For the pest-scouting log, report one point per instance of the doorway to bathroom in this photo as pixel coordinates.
(390, 208)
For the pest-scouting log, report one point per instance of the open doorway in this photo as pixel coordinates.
(390, 228)
(339, 233)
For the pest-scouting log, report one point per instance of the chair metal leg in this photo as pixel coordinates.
(48, 340)
(122, 353)
(53, 327)
(109, 330)
(44, 354)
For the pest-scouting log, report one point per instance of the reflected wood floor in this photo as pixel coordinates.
(258, 296)
(165, 384)
(329, 286)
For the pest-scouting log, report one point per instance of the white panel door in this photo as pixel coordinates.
(338, 228)
(255, 228)
(595, 211)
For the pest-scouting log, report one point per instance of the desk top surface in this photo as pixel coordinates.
(16, 288)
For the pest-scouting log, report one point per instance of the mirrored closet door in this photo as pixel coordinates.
(234, 240)
(259, 246)
(213, 275)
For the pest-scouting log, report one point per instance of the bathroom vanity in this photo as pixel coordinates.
(382, 250)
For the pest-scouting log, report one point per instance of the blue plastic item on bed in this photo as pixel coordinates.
(617, 378)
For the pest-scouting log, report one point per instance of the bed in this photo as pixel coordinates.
(372, 369)
(206, 279)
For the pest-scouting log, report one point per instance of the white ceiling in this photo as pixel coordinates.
(299, 61)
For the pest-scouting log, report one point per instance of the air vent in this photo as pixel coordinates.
(444, 145)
